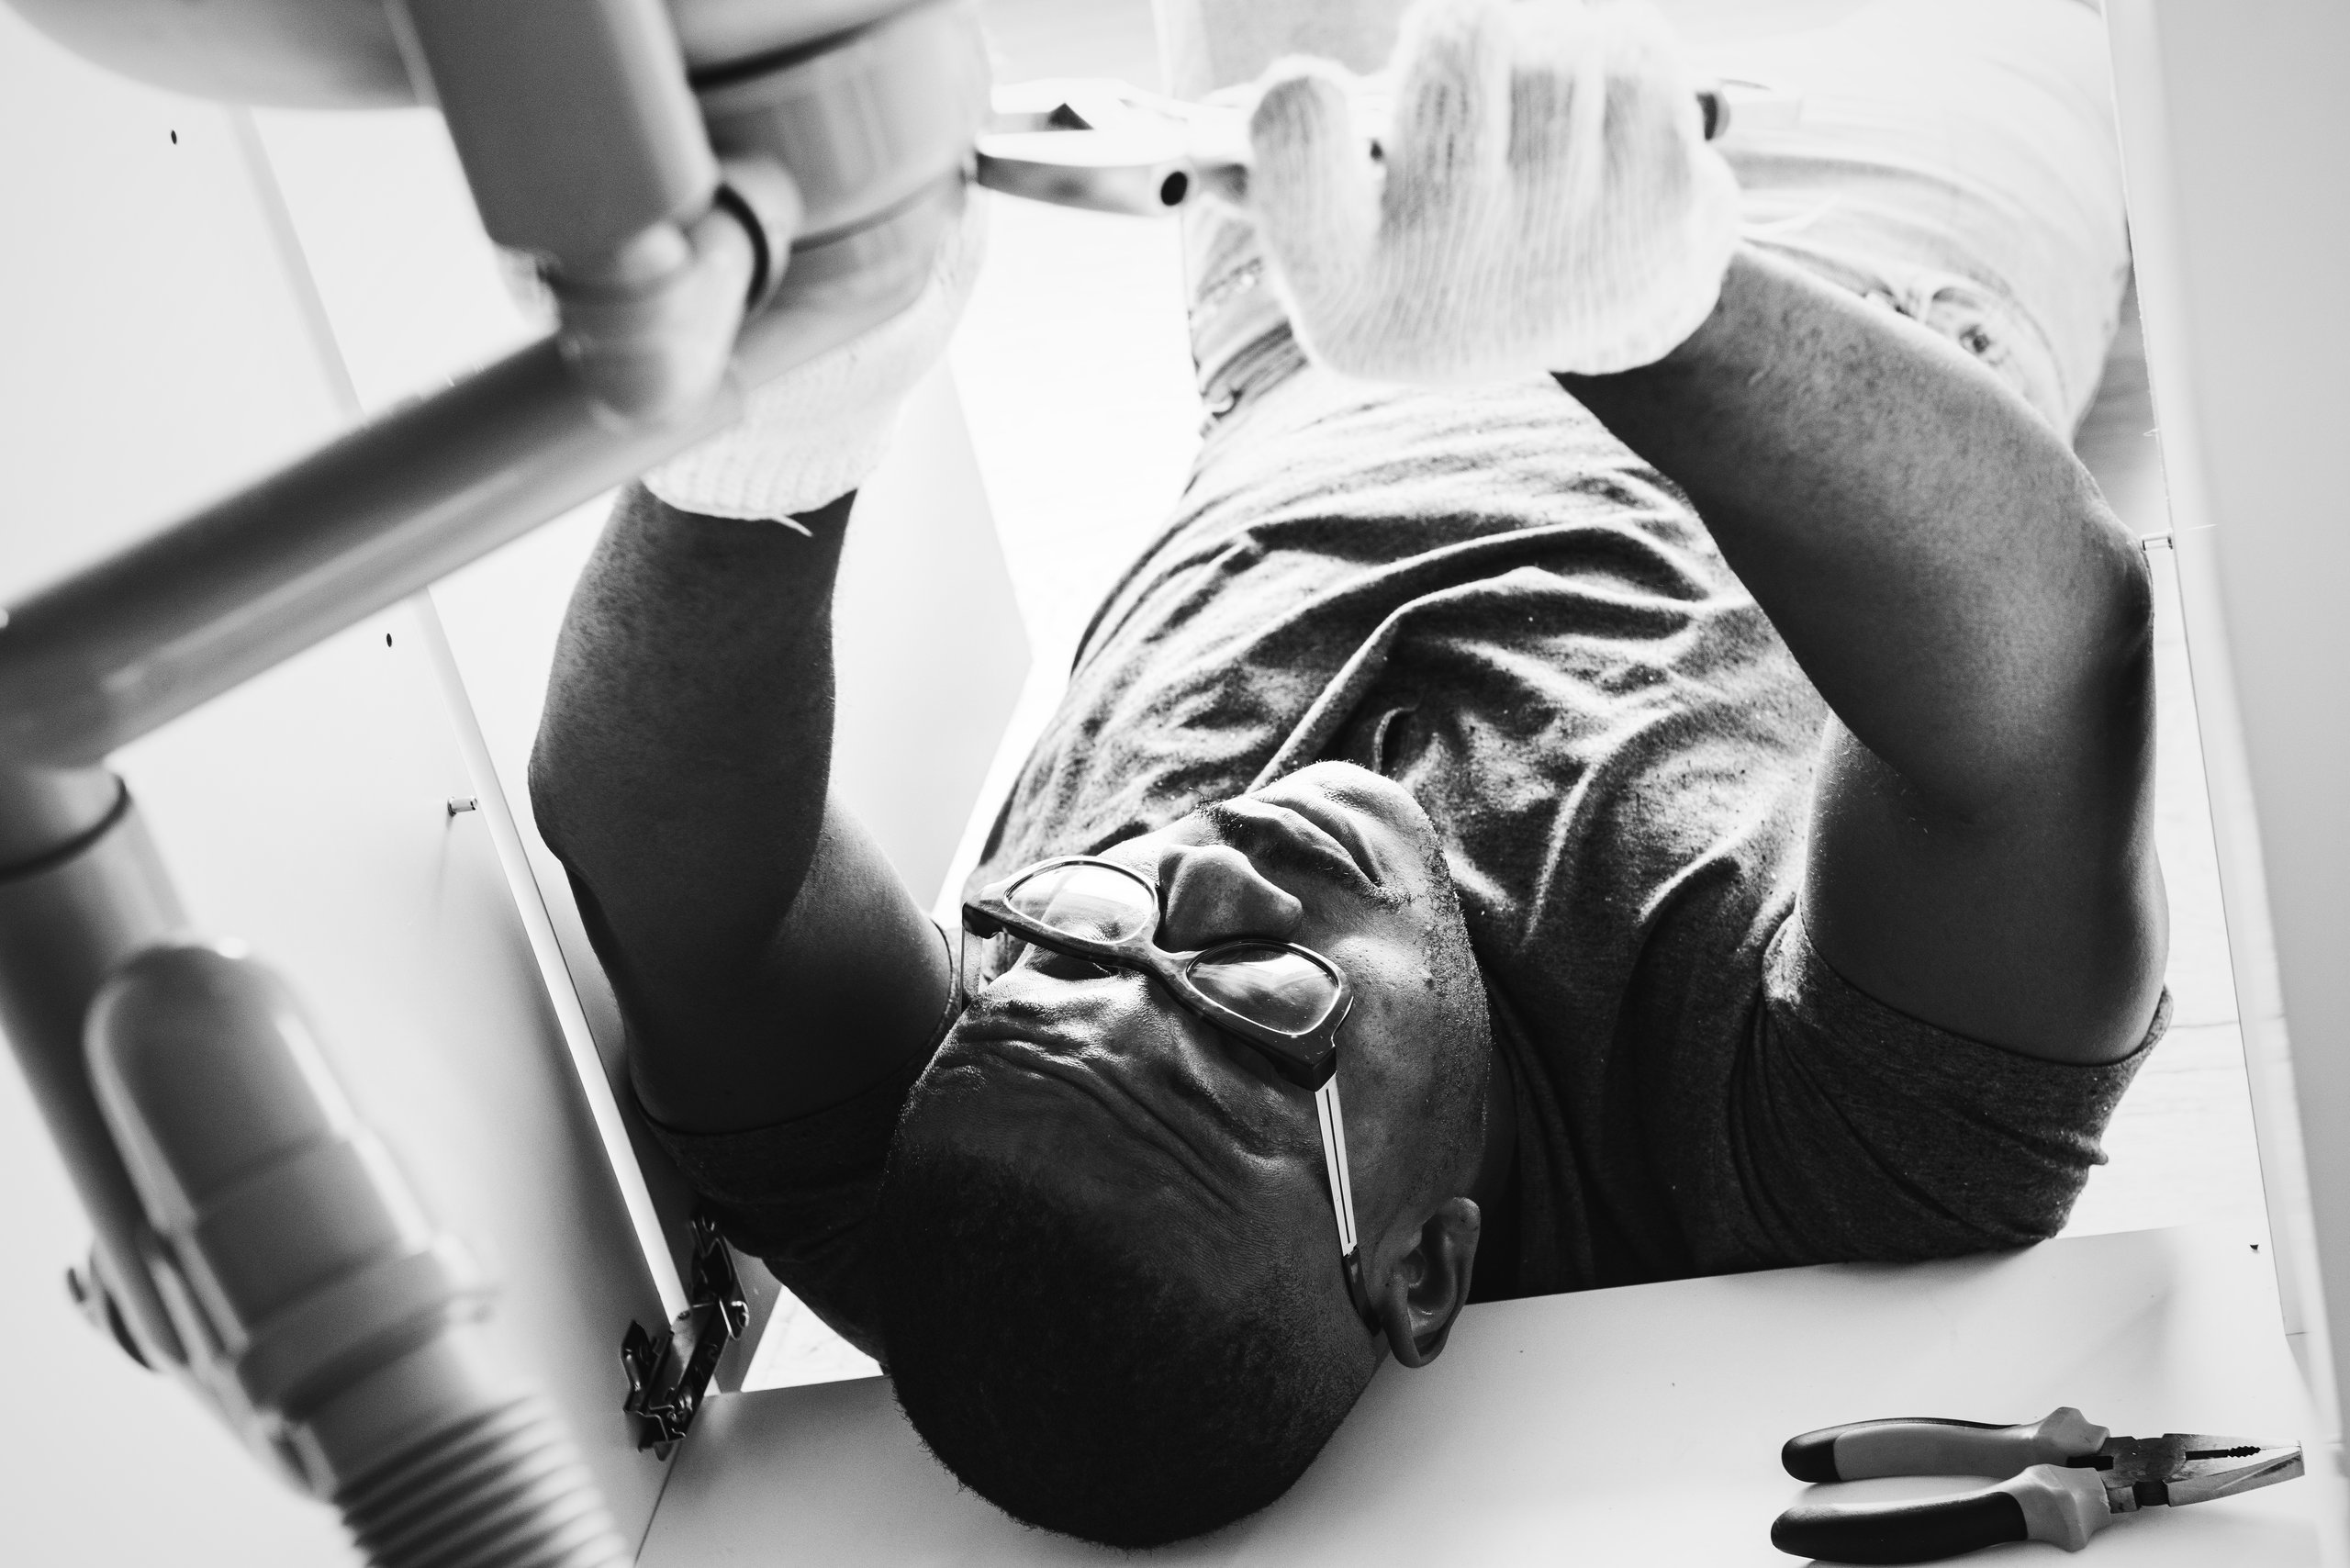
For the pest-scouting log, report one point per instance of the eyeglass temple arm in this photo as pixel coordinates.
(1342, 1190)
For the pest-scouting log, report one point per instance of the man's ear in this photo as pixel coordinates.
(1418, 1297)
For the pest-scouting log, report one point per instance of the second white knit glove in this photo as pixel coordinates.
(1546, 201)
(820, 430)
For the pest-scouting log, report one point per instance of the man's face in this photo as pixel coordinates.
(1140, 1108)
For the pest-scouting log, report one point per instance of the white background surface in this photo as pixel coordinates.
(1623, 1429)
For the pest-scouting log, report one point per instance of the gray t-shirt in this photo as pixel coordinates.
(1487, 597)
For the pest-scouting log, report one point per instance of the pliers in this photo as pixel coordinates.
(2063, 1480)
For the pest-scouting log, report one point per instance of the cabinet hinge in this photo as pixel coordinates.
(669, 1372)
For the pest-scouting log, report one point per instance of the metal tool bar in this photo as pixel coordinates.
(1108, 147)
(101, 658)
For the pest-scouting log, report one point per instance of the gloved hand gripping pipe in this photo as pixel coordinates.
(318, 1306)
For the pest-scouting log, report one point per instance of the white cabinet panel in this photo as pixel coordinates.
(1619, 1428)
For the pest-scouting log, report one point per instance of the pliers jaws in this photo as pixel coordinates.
(2186, 1467)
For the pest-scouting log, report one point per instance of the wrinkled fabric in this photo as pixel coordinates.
(1490, 600)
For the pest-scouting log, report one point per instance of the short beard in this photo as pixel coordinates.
(1464, 1062)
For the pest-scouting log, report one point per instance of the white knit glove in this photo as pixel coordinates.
(818, 431)
(1546, 200)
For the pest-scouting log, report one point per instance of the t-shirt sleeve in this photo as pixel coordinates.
(1853, 1131)
(800, 1194)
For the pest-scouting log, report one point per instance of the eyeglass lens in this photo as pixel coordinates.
(1275, 987)
(1096, 904)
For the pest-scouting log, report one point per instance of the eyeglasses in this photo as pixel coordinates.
(1283, 1000)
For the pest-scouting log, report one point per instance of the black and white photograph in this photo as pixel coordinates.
(1235, 783)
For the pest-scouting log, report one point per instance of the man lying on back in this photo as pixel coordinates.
(1456, 870)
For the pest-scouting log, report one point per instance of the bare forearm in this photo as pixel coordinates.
(1928, 548)
(769, 962)
(687, 731)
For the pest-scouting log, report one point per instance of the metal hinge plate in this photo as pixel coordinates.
(669, 1372)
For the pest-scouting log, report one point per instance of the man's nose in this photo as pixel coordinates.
(1212, 894)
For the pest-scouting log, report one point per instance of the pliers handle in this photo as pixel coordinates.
(2046, 1502)
(1927, 1445)
(2037, 1496)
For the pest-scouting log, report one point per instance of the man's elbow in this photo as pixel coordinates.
(549, 805)
(559, 780)
(2101, 647)
(2127, 621)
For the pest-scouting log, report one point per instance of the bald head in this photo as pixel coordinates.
(1126, 1361)
(1115, 1299)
